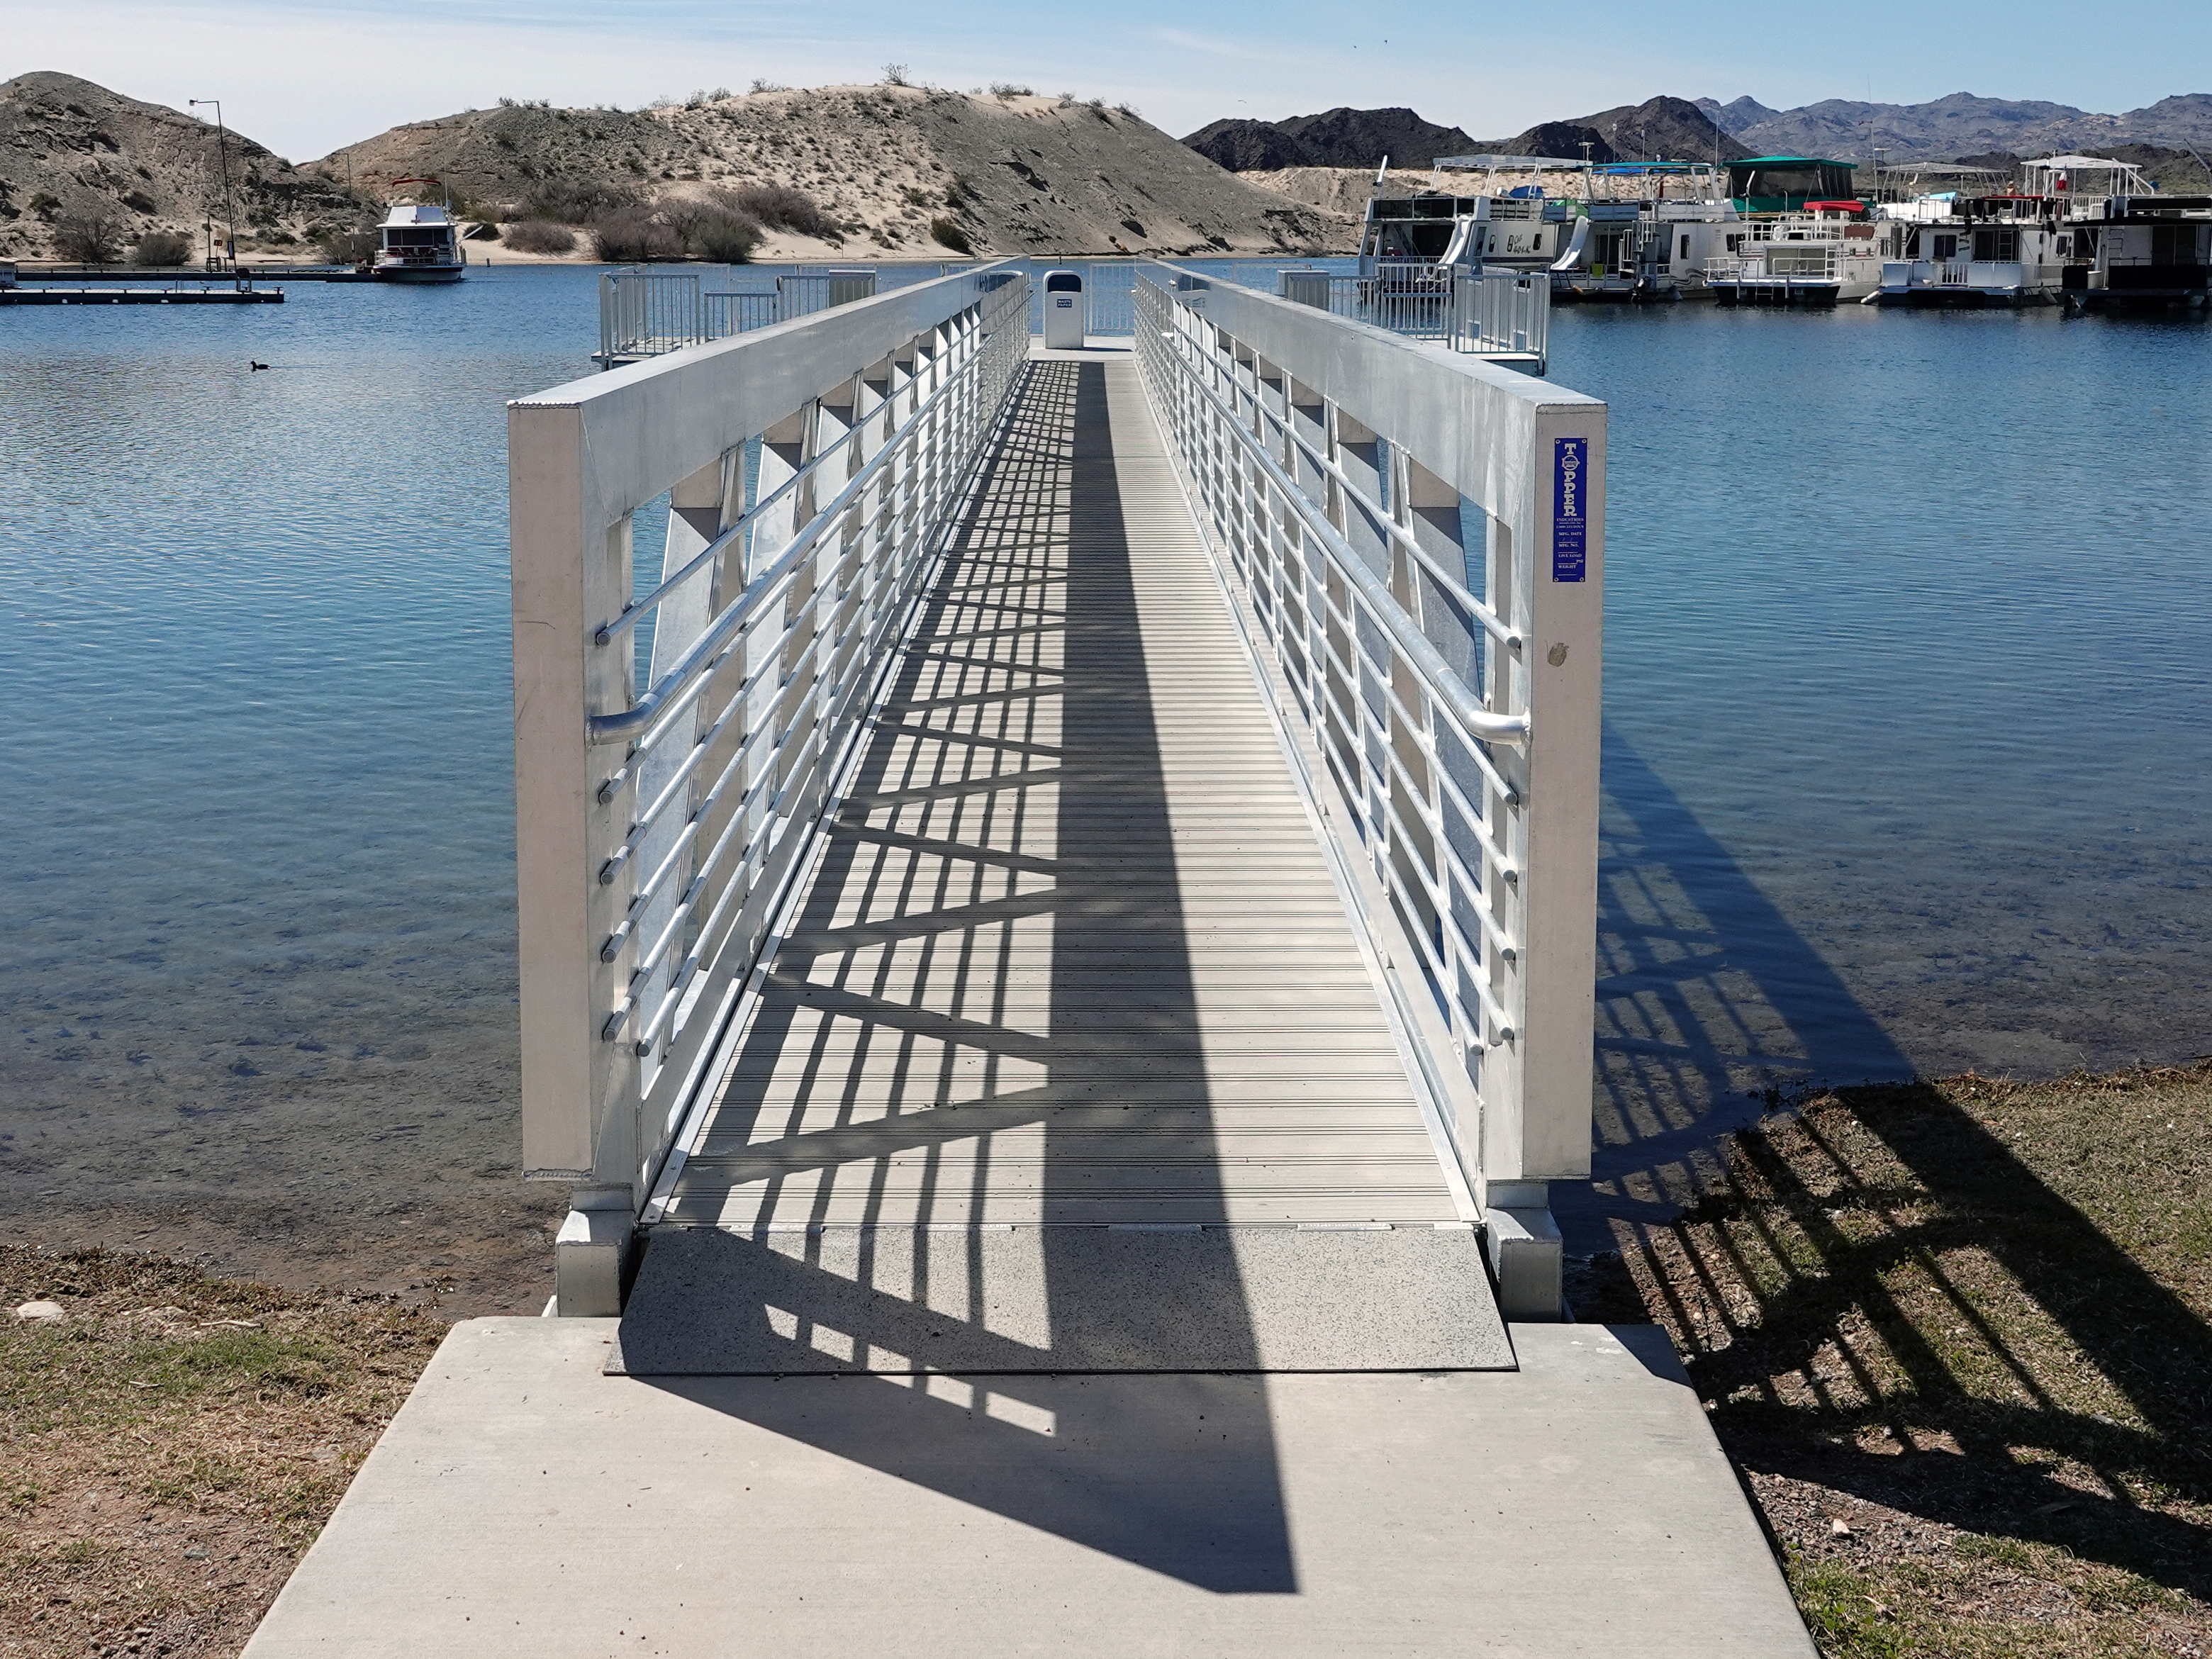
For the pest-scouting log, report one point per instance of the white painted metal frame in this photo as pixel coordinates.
(1447, 680)
(657, 828)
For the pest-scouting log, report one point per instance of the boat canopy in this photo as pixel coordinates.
(1784, 184)
(415, 213)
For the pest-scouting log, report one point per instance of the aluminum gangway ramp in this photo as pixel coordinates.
(1069, 1059)
(931, 945)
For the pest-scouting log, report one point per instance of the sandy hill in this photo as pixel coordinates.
(1960, 124)
(1010, 174)
(1340, 137)
(69, 148)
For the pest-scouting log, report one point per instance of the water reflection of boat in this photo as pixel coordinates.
(419, 243)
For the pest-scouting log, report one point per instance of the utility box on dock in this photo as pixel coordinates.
(1065, 311)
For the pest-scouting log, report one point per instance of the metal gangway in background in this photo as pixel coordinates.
(1504, 316)
(1277, 580)
(647, 314)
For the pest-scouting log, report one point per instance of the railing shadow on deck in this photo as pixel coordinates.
(1115, 1468)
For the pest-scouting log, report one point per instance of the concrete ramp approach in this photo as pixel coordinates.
(526, 1502)
(902, 1301)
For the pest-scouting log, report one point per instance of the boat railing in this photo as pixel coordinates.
(812, 472)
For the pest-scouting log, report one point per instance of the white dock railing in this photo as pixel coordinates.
(658, 825)
(1504, 315)
(646, 313)
(1415, 542)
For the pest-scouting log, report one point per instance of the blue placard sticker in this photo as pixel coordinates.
(1569, 499)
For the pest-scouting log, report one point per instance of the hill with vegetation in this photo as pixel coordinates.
(89, 173)
(881, 172)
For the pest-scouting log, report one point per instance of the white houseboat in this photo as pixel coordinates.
(1822, 254)
(2033, 246)
(419, 243)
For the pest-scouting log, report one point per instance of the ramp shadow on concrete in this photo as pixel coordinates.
(1070, 1037)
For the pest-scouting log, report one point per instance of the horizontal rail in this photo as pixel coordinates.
(1443, 683)
(813, 471)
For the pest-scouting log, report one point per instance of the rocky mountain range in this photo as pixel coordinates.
(1657, 129)
(1340, 137)
(1961, 124)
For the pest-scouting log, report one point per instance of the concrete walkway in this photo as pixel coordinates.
(524, 1502)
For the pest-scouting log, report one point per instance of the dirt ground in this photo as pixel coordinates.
(171, 1442)
(1954, 1336)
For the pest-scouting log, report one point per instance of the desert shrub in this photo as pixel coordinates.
(1126, 108)
(947, 232)
(895, 76)
(92, 237)
(139, 201)
(163, 248)
(631, 238)
(780, 207)
(960, 192)
(537, 236)
(1011, 89)
(565, 204)
(725, 238)
(43, 205)
(763, 85)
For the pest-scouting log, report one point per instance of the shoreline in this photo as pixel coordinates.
(1965, 1458)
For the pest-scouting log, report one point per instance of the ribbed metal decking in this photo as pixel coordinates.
(1072, 953)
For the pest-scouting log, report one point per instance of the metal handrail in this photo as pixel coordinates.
(640, 715)
(1452, 691)
(702, 815)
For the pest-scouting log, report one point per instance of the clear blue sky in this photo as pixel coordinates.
(305, 76)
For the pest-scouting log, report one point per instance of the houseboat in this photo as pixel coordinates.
(1517, 232)
(419, 242)
(1643, 231)
(1829, 252)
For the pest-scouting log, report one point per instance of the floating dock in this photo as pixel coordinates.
(141, 296)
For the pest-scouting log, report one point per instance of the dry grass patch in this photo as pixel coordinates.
(173, 1444)
(1955, 1335)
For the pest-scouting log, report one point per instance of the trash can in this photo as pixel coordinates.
(1308, 288)
(1065, 315)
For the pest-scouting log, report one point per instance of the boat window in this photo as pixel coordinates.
(2000, 244)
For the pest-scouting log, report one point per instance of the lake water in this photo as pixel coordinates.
(1906, 750)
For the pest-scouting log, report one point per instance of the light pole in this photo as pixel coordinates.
(222, 153)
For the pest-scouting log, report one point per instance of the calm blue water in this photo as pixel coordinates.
(1907, 760)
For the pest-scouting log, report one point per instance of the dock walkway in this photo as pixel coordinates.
(1072, 959)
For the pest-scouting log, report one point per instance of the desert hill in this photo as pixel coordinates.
(897, 171)
(1959, 125)
(1340, 137)
(72, 153)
